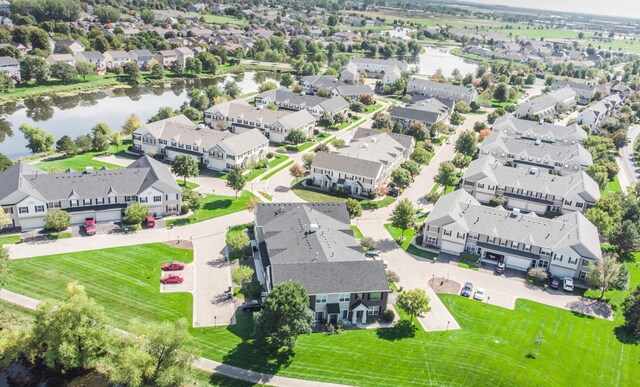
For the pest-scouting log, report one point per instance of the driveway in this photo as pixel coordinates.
(186, 286)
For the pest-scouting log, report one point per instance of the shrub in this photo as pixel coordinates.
(392, 276)
(270, 155)
(538, 274)
(388, 316)
(255, 289)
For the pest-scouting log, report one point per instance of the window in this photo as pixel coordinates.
(157, 198)
(514, 245)
(545, 252)
(558, 258)
(143, 199)
(39, 208)
(231, 157)
(447, 232)
(23, 210)
(86, 202)
(319, 316)
(99, 200)
(344, 297)
(579, 205)
(491, 239)
(527, 248)
(359, 296)
(321, 299)
(573, 261)
(432, 240)
(73, 203)
(373, 311)
(375, 296)
(344, 314)
(473, 235)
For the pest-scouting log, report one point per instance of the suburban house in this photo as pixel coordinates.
(542, 131)
(10, 66)
(183, 54)
(564, 245)
(287, 100)
(430, 89)
(387, 70)
(218, 150)
(554, 157)
(275, 125)
(94, 57)
(547, 104)
(428, 111)
(141, 57)
(75, 46)
(364, 163)
(313, 244)
(594, 114)
(61, 58)
(584, 91)
(530, 189)
(312, 84)
(116, 58)
(28, 193)
(166, 57)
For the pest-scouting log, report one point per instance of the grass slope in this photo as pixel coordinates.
(215, 206)
(82, 161)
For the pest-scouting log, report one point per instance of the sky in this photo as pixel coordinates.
(625, 8)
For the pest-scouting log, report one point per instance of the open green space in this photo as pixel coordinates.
(10, 239)
(495, 346)
(273, 172)
(82, 161)
(356, 232)
(616, 297)
(189, 185)
(219, 19)
(372, 108)
(214, 206)
(277, 160)
(31, 89)
(312, 195)
(612, 186)
(406, 245)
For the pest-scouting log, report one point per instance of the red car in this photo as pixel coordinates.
(90, 226)
(173, 266)
(172, 279)
(150, 222)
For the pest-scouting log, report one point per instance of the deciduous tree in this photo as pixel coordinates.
(603, 273)
(57, 220)
(354, 208)
(236, 180)
(136, 213)
(415, 302)
(297, 170)
(446, 174)
(296, 137)
(38, 140)
(403, 216)
(132, 124)
(185, 166)
(242, 275)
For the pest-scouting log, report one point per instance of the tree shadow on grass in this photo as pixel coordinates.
(402, 330)
(256, 355)
(217, 205)
(624, 336)
(225, 381)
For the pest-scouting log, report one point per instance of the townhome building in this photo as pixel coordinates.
(22, 49)
(75, 46)
(430, 89)
(312, 84)
(183, 54)
(166, 57)
(141, 57)
(538, 130)
(547, 104)
(313, 244)
(530, 189)
(428, 111)
(363, 164)
(584, 91)
(217, 150)
(595, 113)
(95, 58)
(554, 157)
(564, 245)
(387, 70)
(10, 66)
(287, 100)
(116, 58)
(28, 193)
(275, 125)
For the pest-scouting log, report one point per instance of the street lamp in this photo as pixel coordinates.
(447, 330)
(488, 298)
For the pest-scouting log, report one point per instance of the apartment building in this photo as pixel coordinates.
(430, 89)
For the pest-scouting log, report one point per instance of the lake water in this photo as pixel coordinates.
(77, 114)
(434, 58)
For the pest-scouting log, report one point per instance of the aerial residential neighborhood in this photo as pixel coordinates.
(319, 193)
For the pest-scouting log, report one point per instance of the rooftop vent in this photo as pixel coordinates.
(515, 212)
(537, 142)
(364, 146)
(533, 171)
(374, 140)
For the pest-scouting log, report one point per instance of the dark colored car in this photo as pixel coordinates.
(90, 226)
(500, 267)
(555, 283)
(467, 289)
(251, 306)
(173, 266)
(394, 192)
(172, 279)
(372, 253)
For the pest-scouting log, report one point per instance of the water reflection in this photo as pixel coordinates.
(434, 58)
(73, 115)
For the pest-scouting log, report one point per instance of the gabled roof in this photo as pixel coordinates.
(244, 141)
(542, 130)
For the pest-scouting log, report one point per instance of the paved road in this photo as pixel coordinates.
(628, 175)
(202, 363)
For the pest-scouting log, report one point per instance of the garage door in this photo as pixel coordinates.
(108, 216)
(557, 271)
(517, 263)
(452, 247)
(79, 217)
(31, 223)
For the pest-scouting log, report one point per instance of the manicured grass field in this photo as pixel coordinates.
(189, 184)
(10, 239)
(495, 346)
(82, 161)
(406, 244)
(280, 168)
(613, 186)
(315, 196)
(215, 206)
(356, 232)
(372, 108)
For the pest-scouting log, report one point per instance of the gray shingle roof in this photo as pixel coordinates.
(245, 141)
(346, 164)
(410, 113)
(543, 130)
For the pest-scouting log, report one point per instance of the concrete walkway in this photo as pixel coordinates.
(202, 363)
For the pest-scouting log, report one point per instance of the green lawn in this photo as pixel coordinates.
(10, 239)
(494, 347)
(277, 160)
(189, 185)
(218, 19)
(82, 161)
(270, 174)
(306, 145)
(356, 232)
(31, 89)
(316, 196)
(615, 297)
(215, 206)
(406, 244)
(612, 186)
(372, 108)
(59, 235)
(371, 205)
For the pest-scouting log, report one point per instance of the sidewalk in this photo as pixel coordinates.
(202, 363)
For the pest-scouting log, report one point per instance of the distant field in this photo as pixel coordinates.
(215, 19)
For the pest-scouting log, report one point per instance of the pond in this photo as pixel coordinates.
(434, 58)
(74, 115)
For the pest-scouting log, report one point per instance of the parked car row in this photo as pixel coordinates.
(172, 278)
